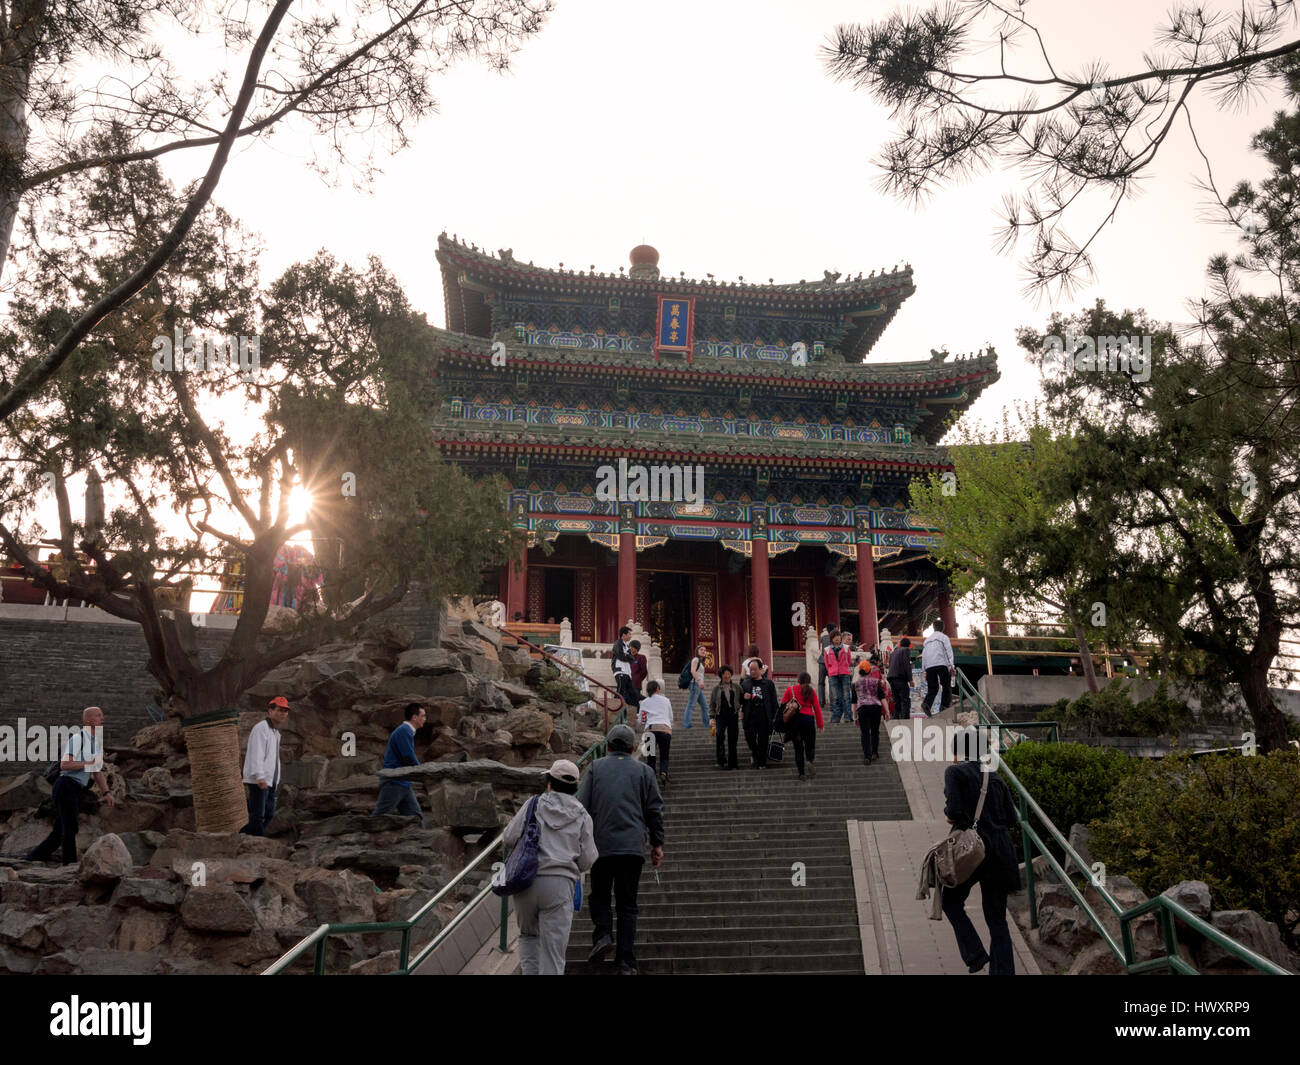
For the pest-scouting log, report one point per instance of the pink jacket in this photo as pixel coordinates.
(839, 662)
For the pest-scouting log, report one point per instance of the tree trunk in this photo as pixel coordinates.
(1085, 656)
(26, 22)
(1270, 725)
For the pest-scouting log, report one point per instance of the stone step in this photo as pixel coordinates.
(774, 965)
(678, 950)
(726, 922)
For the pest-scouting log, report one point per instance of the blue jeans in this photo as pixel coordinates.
(399, 797)
(696, 693)
(261, 808)
(839, 694)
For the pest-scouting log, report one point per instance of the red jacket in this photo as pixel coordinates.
(838, 662)
(639, 671)
(813, 709)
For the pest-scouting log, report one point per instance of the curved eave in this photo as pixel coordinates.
(823, 456)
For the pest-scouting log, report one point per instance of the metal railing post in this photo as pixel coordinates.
(1027, 846)
(319, 969)
(405, 956)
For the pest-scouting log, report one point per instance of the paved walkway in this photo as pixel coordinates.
(897, 933)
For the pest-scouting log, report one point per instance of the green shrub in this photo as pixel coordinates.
(1112, 712)
(1071, 782)
(553, 688)
(1229, 820)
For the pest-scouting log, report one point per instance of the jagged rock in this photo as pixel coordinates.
(24, 792)
(516, 693)
(335, 896)
(306, 772)
(279, 620)
(274, 910)
(359, 765)
(483, 632)
(80, 927)
(1080, 838)
(144, 930)
(165, 738)
(1250, 930)
(348, 823)
(427, 662)
(529, 728)
(286, 680)
(106, 861)
(21, 929)
(515, 661)
(398, 905)
(339, 691)
(464, 806)
(446, 685)
(1096, 960)
(148, 893)
(1050, 894)
(216, 909)
(1193, 895)
(485, 666)
(19, 842)
(157, 780)
(586, 738)
(1066, 927)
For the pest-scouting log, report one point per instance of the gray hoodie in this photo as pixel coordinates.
(566, 846)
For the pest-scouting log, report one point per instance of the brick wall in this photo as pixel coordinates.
(50, 670)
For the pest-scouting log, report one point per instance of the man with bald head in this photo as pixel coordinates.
(82, 761)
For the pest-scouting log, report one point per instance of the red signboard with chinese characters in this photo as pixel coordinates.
(675, 325)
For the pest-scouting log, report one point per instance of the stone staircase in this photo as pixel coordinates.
(725, 900)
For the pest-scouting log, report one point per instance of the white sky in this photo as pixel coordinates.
(711, 129)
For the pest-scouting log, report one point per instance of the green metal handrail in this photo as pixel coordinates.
(988, 719)
(1169, 910)
(319, 939)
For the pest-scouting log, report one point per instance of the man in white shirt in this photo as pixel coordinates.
(262, 766)
(938, 663)
(83, 759)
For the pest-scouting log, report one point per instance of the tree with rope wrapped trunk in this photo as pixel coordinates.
(200, 466)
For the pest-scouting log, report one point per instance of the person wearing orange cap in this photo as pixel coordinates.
(869, 696)
(262, 766)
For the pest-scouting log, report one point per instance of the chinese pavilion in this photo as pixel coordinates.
(550, 377)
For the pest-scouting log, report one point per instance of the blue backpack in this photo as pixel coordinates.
(521, 867)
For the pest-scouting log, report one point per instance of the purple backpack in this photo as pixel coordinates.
(521, 867)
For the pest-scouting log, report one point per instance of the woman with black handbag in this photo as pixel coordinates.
(802, 716)
(999, 873)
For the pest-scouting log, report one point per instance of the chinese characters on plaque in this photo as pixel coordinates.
(676, 325)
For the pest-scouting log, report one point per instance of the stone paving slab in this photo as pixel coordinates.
(887, 863)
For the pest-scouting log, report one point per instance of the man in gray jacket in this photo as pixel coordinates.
(625, 806)
(566, 848)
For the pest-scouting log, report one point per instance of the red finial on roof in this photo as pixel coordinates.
(645, 261)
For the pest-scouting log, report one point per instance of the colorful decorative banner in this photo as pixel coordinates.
(675, 324)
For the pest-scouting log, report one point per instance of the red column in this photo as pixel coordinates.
(867, 620)
(517, 586)
(626, 578)
(762, 601)
(828, 602)
(947, 613)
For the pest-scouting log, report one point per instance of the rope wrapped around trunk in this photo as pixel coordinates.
(216, 771)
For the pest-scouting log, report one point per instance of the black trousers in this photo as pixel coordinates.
(620, 873)
(623, 685)
(993, 900)
(902, 690)
(937, 677)
(869, 725)
(66, 796)
(663, 742)
(803, 731)
(758, 732)
(728, 728)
